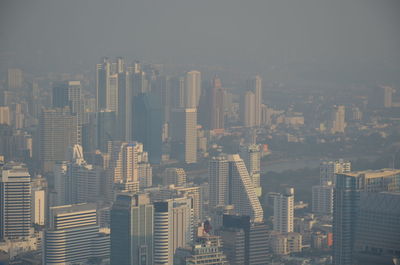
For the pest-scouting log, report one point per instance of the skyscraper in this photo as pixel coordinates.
(248, 109)
(132, 220)
(106, 129)
(328, 169)
(255, 84)
(346, 206)
(58, 130)
(251, 156)
(241, 190)
(244, 241)
(377, 239)
(184, 134)
(283, 211)
(15, 202)
(76, 181)
(103, 72)
(173, 228)
(218, 170)
(147, 124)
(39, 200)
(192, 89)
(73, 235)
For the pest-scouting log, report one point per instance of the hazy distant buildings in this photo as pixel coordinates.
(322, 198)
(255, 84)
(15, 202)
(328, 169)
(5, 115)
(283, 211)
(248, 109)
(69, 94)
(15, 78)
(73, 235)
(106, 129)
(132, 221)
(184, 134)
(338, 119)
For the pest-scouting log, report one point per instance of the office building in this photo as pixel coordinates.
(205, 250)
(192, 89)
(349, 186)
(283, 211)
(377, 233)
(106, 129)
(184, 135)
(173, 228)
(73, 236)
(147, 124)
(76, 181)
(58, 130)
(244, 242)
(322, 199)
(15, 202)
(251, 156)
(174, 176)
(132, 220)
(69, 94)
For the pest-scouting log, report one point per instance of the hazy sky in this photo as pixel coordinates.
(68, 35)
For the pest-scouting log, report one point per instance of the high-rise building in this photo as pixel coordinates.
(15, 202)
(218, 173)
(58, 131)
(69, 94)
(346, 203)
(174, 176)
(255, 84)
(248, 110)
(76, 181)
(283, 211)
(147, 124)
(39, 200)
(103, 72)
(241, 190)
(251, 156)
(377, 233)
(132, 220)
(173, 228)
(184, 134)
(328, 169)
(206, 250)
(126, 158)
(244, 241)
(322, 199)
(73, 235)
(15, 78)
(106, 129)
(5, 115)
(338, 119)
(192, 89)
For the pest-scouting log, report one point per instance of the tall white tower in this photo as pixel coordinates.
(284, 211)
(193, 89)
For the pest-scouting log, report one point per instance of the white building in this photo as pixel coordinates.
(218, 171)
(173, 228)
(73, 235)
(192, 89)
(15, 202)
(39, 200)
(283, 211)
